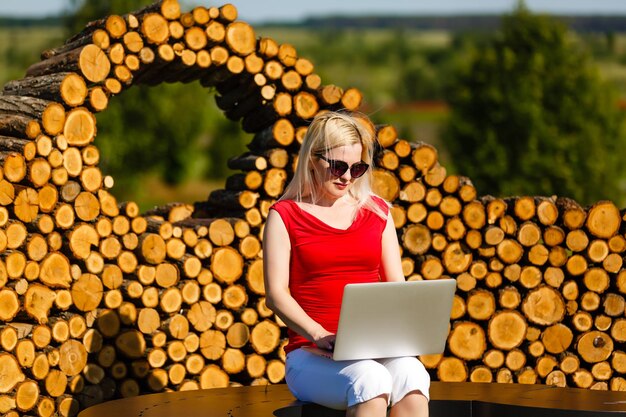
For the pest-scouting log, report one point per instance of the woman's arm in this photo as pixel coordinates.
(390, 262)
(276, 256)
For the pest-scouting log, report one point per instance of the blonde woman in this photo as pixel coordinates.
(328, 230)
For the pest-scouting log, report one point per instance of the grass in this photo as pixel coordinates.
(614, 73)
(21, 47)
(302, 37)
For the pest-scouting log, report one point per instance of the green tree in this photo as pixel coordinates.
(153, 131)
(417, 80)
(531, 116)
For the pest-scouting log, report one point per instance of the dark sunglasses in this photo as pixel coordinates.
(338, 168)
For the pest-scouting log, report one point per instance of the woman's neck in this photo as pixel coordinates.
(326, 201)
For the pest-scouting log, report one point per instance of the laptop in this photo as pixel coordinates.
(392, 319)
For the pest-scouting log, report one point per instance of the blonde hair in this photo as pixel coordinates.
(328, 130)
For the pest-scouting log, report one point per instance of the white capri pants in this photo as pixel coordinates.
(342, 384)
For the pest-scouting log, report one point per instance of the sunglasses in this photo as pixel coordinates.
(338, 168)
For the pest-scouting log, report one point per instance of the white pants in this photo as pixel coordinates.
(342, 384)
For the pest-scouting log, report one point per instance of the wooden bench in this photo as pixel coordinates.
(447, 400)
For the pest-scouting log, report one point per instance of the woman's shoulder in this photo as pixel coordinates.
(283, 204)
(380, 203)
(284, 207)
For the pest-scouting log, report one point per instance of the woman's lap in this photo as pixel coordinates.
(343, 384)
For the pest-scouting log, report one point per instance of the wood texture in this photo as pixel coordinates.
(100, 301)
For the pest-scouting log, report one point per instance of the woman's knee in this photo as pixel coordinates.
(406, 367)
(369, 379)
(408, 375)
(413, 404)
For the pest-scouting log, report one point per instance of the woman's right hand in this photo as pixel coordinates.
(325, 340)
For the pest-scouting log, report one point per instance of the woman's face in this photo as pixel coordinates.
(332, 187)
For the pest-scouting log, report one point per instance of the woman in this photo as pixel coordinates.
(328, 230)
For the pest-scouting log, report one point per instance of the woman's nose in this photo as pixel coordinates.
(346, 175)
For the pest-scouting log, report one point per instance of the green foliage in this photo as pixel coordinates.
(21, 47)
(531, 116)
(144, 131)
(418, 80)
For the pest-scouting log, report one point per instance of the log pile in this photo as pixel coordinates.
(540, 292)
(99, 301)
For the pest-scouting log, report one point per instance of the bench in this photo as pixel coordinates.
(448, 399)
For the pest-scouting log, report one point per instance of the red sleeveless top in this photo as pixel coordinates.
(324, 259)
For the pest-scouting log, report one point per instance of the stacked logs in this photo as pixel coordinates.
(100, 302)
(540, 281)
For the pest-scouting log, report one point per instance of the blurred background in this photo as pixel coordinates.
(523, 98)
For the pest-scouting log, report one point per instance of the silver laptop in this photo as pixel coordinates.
(392, 319)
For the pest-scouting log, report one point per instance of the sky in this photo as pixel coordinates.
(259, 11)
